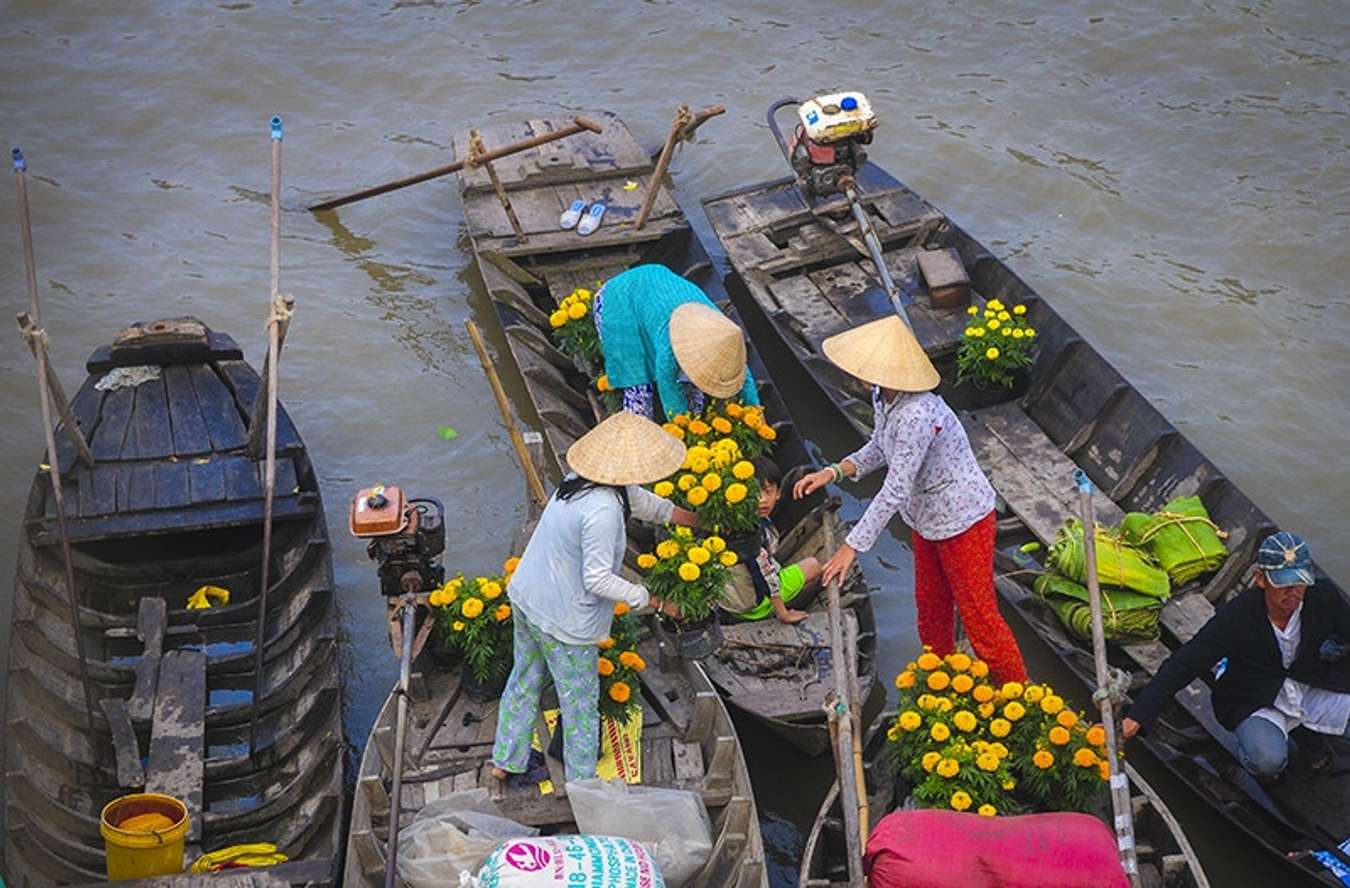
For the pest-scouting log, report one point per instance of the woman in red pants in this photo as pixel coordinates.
(934, 482)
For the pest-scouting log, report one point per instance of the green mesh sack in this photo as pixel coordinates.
(1127, 616)
(1180, 537)
(1118, 563)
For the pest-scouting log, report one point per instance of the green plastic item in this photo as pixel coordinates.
(1180, 537)
(1118, 563)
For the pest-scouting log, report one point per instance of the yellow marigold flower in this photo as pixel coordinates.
(510, 564)
(673, 429)
(436, 598)
(1096, 735)
(698, 555)
(979, 669)
(736, 492)
(992, 353)
(965, 721)
(905, 680)
(767, 433)
(995, 305)
(1104, 770)
(667, 549)
(1012, 690)
(502, 613)
(1031, 333)
(698, 427)
(987, 762)
(973, 310)
(1033, 693)
(1000, 727)
(619, 692)
(1018, 333)
(721, 425)
(928, 661)
(602, 384)
(962, 683)
(491, 590)
(685, 482)
(472, 608)
(987, 810)
(557, 319)
(1067, 717)
(989, 314)
(733, 409)
(940, 732)
(577, 311)
(698, 496)
(959, 661)
(715, 544)
(752, 418)
(1019, 309)
(458, 626)
(629, 659)
(960, 800)
(979, 333)
(712, 481)
(944, 705)
(699, 464)
(948, 767)
(1005, 332)
(994, 323)
(1052, 704)
(926, 701)
(620, 608)
(743, 470)
(893, 733)
(1009, 784)
(1004, 317)
(663, 488)
(969, 332)
(999, 750)
(1043, 759)
(930, 761)
(938, 681)
(983, 694)
(985, 709)
(1013, 710)
(605, 644)
(1085, 758)
(689, 572)
(910, 720)
(728, 558)
(1059, 736)
(681, 419)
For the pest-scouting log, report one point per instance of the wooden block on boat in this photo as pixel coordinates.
(130, 774)
(151, 616)
(368, 851)
(688, 758)
(722, 763)
(948, 283)
(177, 753)
(1185, 615)
(704, 718)
(658, 768)
(372, 787)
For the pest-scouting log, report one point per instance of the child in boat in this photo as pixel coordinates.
(759, 585)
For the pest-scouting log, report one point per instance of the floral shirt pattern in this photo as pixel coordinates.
(932, 478)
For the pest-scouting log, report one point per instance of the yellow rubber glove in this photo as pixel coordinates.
(208, 596)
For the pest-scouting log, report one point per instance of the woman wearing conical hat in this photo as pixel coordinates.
(567, 583)
(663, 338)
(933, 482)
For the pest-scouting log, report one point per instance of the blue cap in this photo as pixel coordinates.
(1284, 558)
(848, 103)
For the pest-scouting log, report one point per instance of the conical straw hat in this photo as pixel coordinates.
(709, 347)
(626, 449)
(884, 353)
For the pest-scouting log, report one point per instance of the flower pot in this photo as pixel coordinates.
(697, 641)
(485, 691)
(444, 658)
(969, 395)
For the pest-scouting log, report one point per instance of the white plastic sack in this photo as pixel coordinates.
(566, 861)
(674, 822)
(450, 836)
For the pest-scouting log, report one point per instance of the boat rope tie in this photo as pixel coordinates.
(1117, 683)
(281, 313)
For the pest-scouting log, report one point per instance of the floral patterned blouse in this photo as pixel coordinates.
(932, 478)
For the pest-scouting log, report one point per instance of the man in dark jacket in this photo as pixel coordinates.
(1285, 641)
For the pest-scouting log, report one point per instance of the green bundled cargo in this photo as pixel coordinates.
(1180, 537)
(1127, 616)
(1118, 563)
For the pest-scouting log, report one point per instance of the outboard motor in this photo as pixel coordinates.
(827, 143)
(406, 538)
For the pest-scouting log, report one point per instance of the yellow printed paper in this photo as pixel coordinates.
(620, 749)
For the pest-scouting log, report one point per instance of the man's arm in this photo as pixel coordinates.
(1187, 663)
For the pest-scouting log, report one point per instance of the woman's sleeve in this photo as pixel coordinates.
(647, 506)
(750, 391)
(598, 530)
(869, 457)
(914, 438)
(668, 382)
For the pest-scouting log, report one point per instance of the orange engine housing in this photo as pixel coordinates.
(370, 520)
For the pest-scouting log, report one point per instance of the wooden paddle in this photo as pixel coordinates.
(579, 124)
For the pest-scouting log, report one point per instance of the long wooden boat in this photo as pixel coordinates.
(1164, 854)
(775, 673)
(798, 281)
(172, 503)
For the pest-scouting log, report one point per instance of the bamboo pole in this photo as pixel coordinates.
(532, 479)
(579, 124)
(278, 315)
(683, 118)
(37, 340)
(28, 330)
(1120, 784)
(847, 752)
(476, 152)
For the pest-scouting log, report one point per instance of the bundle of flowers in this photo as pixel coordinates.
(744, 425)
(966, 744)
(473, 618)
(687, 572)
(995, 345)
(573, 326)
(718, 485)
(610, 397)
(619, 666)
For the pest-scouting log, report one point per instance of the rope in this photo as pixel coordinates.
(1117, 683)
(281, 313)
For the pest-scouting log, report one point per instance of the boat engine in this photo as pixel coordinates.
(828, 142)
(406, 538)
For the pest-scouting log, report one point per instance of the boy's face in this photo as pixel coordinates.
(768, 497)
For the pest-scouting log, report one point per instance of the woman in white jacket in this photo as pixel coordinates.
(567, 583)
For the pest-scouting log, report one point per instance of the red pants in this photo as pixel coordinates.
(958, 574)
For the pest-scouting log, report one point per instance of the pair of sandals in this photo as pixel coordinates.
(584, 220)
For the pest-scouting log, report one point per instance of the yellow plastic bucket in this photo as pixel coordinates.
(144, 852)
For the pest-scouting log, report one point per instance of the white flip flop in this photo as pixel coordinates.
(572, 214)
(591, 221)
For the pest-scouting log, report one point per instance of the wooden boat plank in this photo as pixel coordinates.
(97, 491)
(206, 480)
(802, 299)
(560, 241)
(86, 406)
(111, 432)
(316, 870)
(164, 521)
(241, 478)
(243, 379)
(188, 424)
(172, 489)
(658, 765)
(149, 435)
(140, 482)
(130, 773)
(537, 210)
(177, 738)
(151, 618)
(220, 413)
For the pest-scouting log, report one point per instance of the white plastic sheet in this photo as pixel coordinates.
(450, 836)
(673, 822)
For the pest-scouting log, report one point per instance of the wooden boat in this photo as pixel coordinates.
(775, 673)
(173, 503)
(1165, 856)
(797, 281)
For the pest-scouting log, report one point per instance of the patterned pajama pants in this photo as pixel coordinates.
(573, 668)
(958, 574)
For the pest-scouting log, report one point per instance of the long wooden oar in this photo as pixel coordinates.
(1120, 784)
(37, 339)
(532, 479)
(841, 707)
(579, 124)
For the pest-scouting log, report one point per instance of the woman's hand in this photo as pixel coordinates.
(809, 484)
(837, 567)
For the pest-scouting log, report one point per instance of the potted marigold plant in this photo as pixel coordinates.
(573, 325)
(690, 574)
(620, 667)
(964, 743)
(718, 485)
(997, 347)
(474, 619)
(746, 426)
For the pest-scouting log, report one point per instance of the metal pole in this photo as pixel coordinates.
(874, 248)
(1120, 784)
(396, 797)
(37, 337)
(274, 322)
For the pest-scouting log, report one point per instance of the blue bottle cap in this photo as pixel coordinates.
(849, 103)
